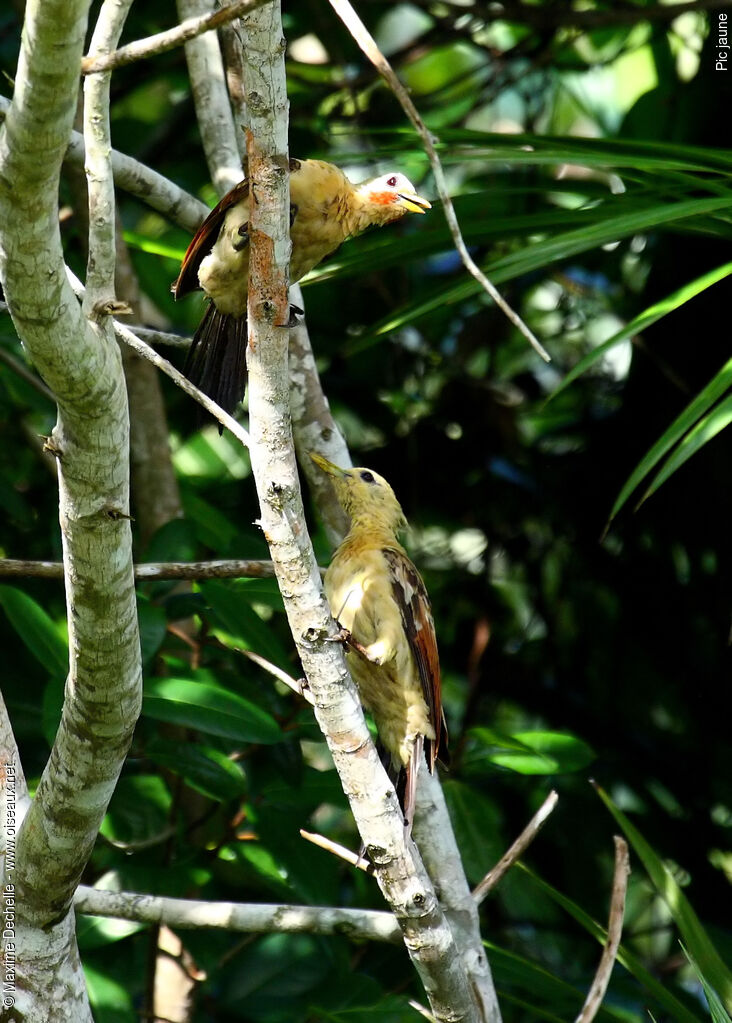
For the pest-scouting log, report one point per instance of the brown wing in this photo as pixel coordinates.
(414, 604)
(204, 239)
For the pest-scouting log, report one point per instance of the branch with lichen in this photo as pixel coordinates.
(81, 364)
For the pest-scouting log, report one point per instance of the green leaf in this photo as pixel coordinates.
(645, 319)
(478, 828)
(153, 246)
(152, 623)
(36, 629)
(718, 1012)
(203, 768)
(690, 927)
(677, 1010)
(98, 931)
(111, 1002)
(600, 229)
(139, 810)
(534, 752)
(705, 430)
(706, 398)
(210, 708)
(513, 971)
(242, 625)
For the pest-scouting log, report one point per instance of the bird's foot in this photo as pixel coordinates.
(345, 637)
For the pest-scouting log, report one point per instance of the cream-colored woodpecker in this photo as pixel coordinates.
(378, 598)
(325, 210)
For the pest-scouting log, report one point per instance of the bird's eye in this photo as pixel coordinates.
(391, 182)
(367, 477)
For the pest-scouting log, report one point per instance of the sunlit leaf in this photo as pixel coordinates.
(707, 397)
(208, 708)
(36, 629)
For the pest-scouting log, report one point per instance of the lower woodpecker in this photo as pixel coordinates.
(378, 598)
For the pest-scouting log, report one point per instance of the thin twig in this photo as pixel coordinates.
(151, 46)
(365, 40)
(148, 572)
(22, 371)
(355, 859)
(144, 350)
(524, 840)
(614, 930)
(422, 1010)
(298, 686)
(160, 337)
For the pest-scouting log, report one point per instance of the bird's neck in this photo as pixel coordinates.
(372, 529)
(361, 212)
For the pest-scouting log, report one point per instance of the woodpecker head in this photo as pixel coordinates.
(365, 496)
(390, 196)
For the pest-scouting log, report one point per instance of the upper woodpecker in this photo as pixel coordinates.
(325, 210)
(378, 597)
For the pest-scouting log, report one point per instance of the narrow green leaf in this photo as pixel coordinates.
(677, 1010)
(718, 1012)
(717, 386)
(157, 248)
(36, 629)
(600, 229)
(690, 927)
(707, 428)
(208, 708)
(645, 319)
(512, 970)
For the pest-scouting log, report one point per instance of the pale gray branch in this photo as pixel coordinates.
(145, 184)
(161, 42)
(399, 871)
(144, 350)
(361, 924)
(614, 931)
(100, 183)
(436, 840)
(517, 848)
(366, 42)
(90, 442)
(211, 99)
(314, 428)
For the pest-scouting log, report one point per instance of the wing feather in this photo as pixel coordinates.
(419, 627)
(204, 239)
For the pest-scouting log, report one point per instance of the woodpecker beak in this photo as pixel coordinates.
(413, 203)
(328, 467)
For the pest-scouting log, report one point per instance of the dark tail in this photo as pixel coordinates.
(217, 358)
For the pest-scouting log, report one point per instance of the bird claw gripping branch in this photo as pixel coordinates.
(326, 209)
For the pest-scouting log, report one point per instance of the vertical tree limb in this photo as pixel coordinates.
(400, 873)
(90, 441)
(215, 120)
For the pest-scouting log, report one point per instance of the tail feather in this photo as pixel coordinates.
(216, 361)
